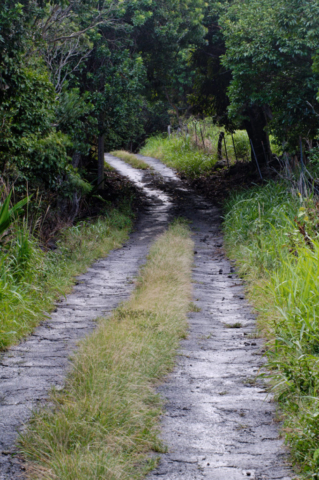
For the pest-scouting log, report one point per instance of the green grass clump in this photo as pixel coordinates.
(190, 155)
(274, 238)
(195, 152)
(131, 159)
(104, 425)
(32, 280)
(179, 153)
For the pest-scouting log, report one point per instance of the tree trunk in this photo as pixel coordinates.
(220, 145)
(255, 128)
(100, 168)
(75, 206)
(76, 159)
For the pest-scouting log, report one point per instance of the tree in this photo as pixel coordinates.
(270, 46)
(166, 40)
(209, 96)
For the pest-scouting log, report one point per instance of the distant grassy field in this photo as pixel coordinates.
(274, 238)
(194, 151)
(104, 425)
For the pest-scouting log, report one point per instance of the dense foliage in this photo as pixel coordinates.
(271, 47)
(77, 76)
(81, 76)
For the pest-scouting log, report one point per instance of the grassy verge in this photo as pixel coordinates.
(274, 238)
(196, 152)
(105, 423)
(131, 159)
(179, 153)
(31, 280)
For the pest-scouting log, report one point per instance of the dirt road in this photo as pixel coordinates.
(219, 422)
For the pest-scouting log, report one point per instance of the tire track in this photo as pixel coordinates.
(220, 421)
(28, 371)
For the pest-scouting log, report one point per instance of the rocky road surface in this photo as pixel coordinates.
(219, 422)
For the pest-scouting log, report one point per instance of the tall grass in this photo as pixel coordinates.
(274, 238)
(31, 280)
(180, 153)
(104, 425)
(190, 156)
(193, 151)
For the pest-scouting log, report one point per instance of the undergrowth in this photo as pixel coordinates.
(274, 238)
(194, 152)
(31, 280)
(104, 424)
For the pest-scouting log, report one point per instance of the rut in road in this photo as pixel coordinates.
(219, 422)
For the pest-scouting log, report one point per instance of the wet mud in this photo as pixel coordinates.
(219, 421)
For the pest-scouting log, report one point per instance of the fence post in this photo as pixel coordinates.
(226, 151)
(232, 137)
(169, 131)
(252, 147)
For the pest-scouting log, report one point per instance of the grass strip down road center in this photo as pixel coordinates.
(131, 159)
(104, 424)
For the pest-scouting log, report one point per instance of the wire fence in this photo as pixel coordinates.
(234, 147)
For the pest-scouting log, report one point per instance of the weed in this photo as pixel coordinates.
(194, 308)
(253, 335)
(206, 337)
(233, 325)
(250, 381)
